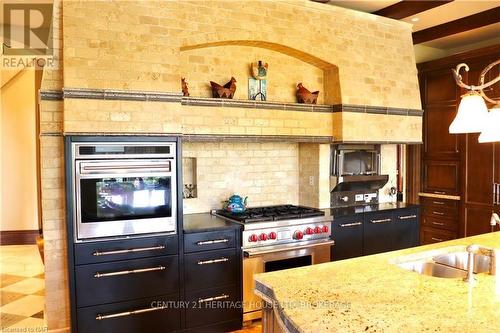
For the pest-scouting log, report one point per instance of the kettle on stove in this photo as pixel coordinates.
(235, 204)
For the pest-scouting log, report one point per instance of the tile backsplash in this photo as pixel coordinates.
(268, 173)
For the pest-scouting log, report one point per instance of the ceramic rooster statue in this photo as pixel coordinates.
(305, 96)
(226, 91)
(184, 87)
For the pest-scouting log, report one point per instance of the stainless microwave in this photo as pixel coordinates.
(124, 189)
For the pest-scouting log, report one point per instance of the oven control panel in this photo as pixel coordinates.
(279, 235)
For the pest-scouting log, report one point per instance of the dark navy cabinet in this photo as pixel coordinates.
(348, 236)
(366, 233)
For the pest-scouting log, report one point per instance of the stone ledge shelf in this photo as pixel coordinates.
(96, 110)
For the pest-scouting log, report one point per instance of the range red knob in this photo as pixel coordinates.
(263, 237)
(317, 230)
(253, 238)
(298, 235)
(325, 228)
(272, 235)
(309, 231)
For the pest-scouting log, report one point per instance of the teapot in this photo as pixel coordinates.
(235, 204)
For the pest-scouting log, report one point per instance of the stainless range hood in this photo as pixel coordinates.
(358, 182)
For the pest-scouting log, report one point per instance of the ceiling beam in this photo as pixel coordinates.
(467, 23)
(404, 9)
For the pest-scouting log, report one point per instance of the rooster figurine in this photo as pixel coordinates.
(305, 96)
(226, 91)
(184, 86)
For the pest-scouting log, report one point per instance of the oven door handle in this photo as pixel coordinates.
(254, 253)
(123, 167)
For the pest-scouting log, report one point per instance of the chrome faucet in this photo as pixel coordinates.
(495, 219)
(476, 249)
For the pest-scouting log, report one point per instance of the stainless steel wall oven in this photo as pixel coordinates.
(124, 189)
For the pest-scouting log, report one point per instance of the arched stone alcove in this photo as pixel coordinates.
(218, 61)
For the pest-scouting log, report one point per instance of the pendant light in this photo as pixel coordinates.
(491, 128)
(472, 115)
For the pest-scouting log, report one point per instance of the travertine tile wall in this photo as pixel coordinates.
(374, 55)
(268, 173)
(365, 60)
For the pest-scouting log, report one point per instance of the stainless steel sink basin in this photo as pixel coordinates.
(433, 269)
(452, 262)
(458, 260)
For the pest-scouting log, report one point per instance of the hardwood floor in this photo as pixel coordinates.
(254, 327)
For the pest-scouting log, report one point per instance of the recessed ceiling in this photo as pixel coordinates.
(364, 6)
(441, 14)
(449, 12)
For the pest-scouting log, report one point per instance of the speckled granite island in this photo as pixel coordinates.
(373, 294)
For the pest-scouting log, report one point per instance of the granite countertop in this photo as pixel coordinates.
(203, 222)
(372, 294)
(347, 211)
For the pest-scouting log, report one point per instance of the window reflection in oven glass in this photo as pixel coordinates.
(277, 265)
(121, 198)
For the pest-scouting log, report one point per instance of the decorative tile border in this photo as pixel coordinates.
(240, 103)
(255, 138)
(152, 96)
(377, 110)
(124, 95)
(51, 95)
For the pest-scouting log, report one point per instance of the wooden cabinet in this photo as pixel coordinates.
(376, 232)
(456, 165)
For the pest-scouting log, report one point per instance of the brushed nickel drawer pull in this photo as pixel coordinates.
(438, 213)
(214, 241)
(353, 224)
(436, 239)
(131, 271)
(437, 223)
(438, 202)
(212, 261)
(211, 299)
(128, 313)
(407, 217)
(380, 221)
(439, 192)
(139, 249)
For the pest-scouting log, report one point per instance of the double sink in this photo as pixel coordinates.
(453, 263)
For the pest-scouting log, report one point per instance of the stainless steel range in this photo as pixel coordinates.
(279, 237)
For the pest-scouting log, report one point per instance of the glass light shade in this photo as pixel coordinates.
(471, 115)
(491, 128)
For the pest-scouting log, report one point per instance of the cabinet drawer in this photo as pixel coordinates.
(95, 252)
(213, 240)
(440, 212)
(211, 269)
(441, 203)
(439, 223)
(212, 305)
(117, 317)
(126, 280)
(431, 235)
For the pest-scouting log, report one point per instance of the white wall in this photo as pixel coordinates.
(18, 180)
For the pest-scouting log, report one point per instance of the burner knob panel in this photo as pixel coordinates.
(309, 231)
(317, 230)
(325, 228)
(253, 238)
(298, 235)
(272, 235)
(263, 237)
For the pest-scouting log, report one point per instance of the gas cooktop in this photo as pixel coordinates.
(271, 213)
